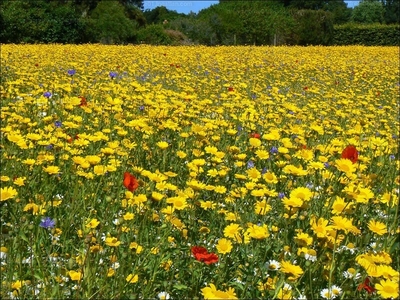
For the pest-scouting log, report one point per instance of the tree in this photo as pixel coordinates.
(392, 11)
(368, 12)
(108, 23)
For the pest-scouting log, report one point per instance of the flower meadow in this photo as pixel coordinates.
(145, 172)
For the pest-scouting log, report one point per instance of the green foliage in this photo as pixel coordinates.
(159, 14)
(241, 22)
(392, 11)
(40, 21)
(371, 11)
(314, 27)
(108, 23)
(368, 35)
(153, 34)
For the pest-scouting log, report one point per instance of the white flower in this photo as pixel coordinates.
(273, 265)
(163, 296)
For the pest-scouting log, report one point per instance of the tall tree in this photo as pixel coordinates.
(392, 11)
(368, 12)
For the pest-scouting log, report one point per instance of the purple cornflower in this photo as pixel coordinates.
(281, 195)
(273, 150)
(250, 164)
(113, 74)
(47, 223)
(71, 72)
(58, 124)
(392, 157)
(326, 164)
(141, 107)
(47, 94)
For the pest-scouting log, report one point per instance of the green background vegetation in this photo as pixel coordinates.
(280, 22)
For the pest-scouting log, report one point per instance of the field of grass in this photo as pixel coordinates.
(202, 173)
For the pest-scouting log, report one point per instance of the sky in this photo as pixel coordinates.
(185, 6)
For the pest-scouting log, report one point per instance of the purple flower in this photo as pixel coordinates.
(250, 164)
(71, 72)
(141, 107)
(326, 164)
(281, 195)
(113, 74)
(47, 223)
(58, 124)
(47, 94)
(273, 150)
(392, 157)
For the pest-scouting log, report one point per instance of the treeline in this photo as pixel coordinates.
(290, 22)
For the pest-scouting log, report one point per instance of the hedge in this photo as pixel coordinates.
(367, 35)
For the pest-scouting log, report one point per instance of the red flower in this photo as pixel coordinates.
(350, 152)
(230, 89)
(365, 286)
(255, 135)
(83, 101)
(201, 254)
(130, 182)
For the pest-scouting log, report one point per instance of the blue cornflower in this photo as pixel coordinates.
(392, 157)
(273, 150)
(281, 195)
(113, 74)
(71, 72)
(326, 164)
(47, 223)
(250, 164)
(47, 94)
(58, 124)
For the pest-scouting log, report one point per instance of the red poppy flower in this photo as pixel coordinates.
(365, 286)
(350, 152)
(255, 135)
(230, 89)
(83, 101)
(130, 182)
(201, 254)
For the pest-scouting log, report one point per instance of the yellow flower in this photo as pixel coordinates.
(17, 285)
(20, 181)
(112, 242)
(377, 227)
(224, 246)
(255, 142)
(128, 216)
(178, 203)
(132, 278)
(293, 271)
(162, 145)
(7, 193)
(302, 193)
(93, 223)
(75, 276)
(232, 230)
(262, 207)
(345, 166)
(303, 239)
(52, 170)
(258, 232)
(157, 196)
(99, 170)
(135, 246)
(4, 178)
(211, 292)
(388, 289)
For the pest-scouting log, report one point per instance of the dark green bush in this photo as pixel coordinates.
(367, 35)
(154, 35)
